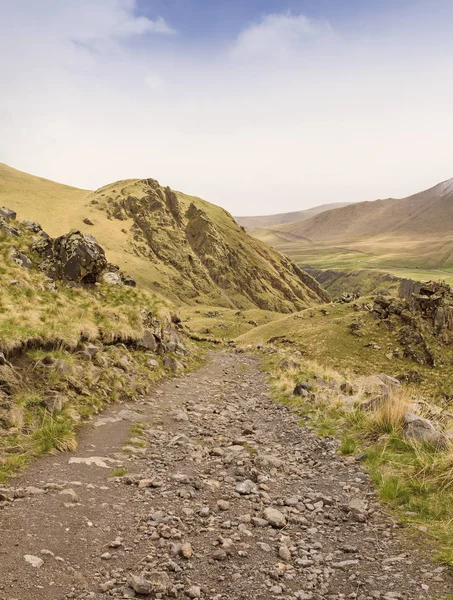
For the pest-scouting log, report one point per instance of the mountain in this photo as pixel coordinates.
(180, 247)
(259, 222)
(430, 211)
(407, 233)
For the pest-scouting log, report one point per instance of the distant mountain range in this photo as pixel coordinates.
(282, 218)
(430, 211)
(412, 232)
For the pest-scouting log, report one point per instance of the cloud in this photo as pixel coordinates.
(82, 21)
(279, 35)
(143, 25)
(289, 113)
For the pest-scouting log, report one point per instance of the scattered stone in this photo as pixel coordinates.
(246, 487)
(34, 561)
(186, 550)
(274, 517)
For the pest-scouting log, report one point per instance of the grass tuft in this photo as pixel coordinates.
(55, 435)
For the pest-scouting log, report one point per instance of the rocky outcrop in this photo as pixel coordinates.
(201, 255)
(6, 216)
(424, 318)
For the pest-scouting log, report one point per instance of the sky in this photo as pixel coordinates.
(261, 106)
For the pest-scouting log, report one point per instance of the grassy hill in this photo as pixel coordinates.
(180, 247)
(264, 221)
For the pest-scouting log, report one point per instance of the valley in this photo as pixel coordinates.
(409, 238)
(156, 361)
(226, 300)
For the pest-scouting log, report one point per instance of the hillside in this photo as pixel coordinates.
(427, 212)
(180, 247)
(259, 222)
(409, 233)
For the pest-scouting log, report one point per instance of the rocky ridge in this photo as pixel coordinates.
(201, 253)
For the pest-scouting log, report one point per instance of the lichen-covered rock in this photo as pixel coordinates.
(7, 214)
(8, 229)
(22, 260)
(74, 256)
(32, 226)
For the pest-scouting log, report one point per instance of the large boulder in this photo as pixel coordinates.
(381, 384)
(74, 256)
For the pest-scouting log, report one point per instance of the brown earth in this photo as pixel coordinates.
(226, 497)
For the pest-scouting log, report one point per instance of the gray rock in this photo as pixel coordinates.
(172, 364)
(423, 430)
(194, 591)
(22, 260)
(74, 256)
(246, 487)
(148, 341)
(140, 584)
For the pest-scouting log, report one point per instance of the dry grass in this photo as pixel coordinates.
(413, 478)
(34, 313)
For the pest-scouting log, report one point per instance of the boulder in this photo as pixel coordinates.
(74, 256)
(54, 402)
(148, 341)
(9, 229)
(172, 364)
(380, 384)
(128, 280)
(423, 430)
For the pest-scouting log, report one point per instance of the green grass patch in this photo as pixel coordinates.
(118, 472)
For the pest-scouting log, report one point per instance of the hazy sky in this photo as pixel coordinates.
(261, 106)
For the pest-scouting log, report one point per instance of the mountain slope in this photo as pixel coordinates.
(262, 221)
(181, 247)
(423, 213)
(408, 233)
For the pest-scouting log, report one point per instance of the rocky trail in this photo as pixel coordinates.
(225, 497)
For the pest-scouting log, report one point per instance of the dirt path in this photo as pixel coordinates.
(230, 499)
